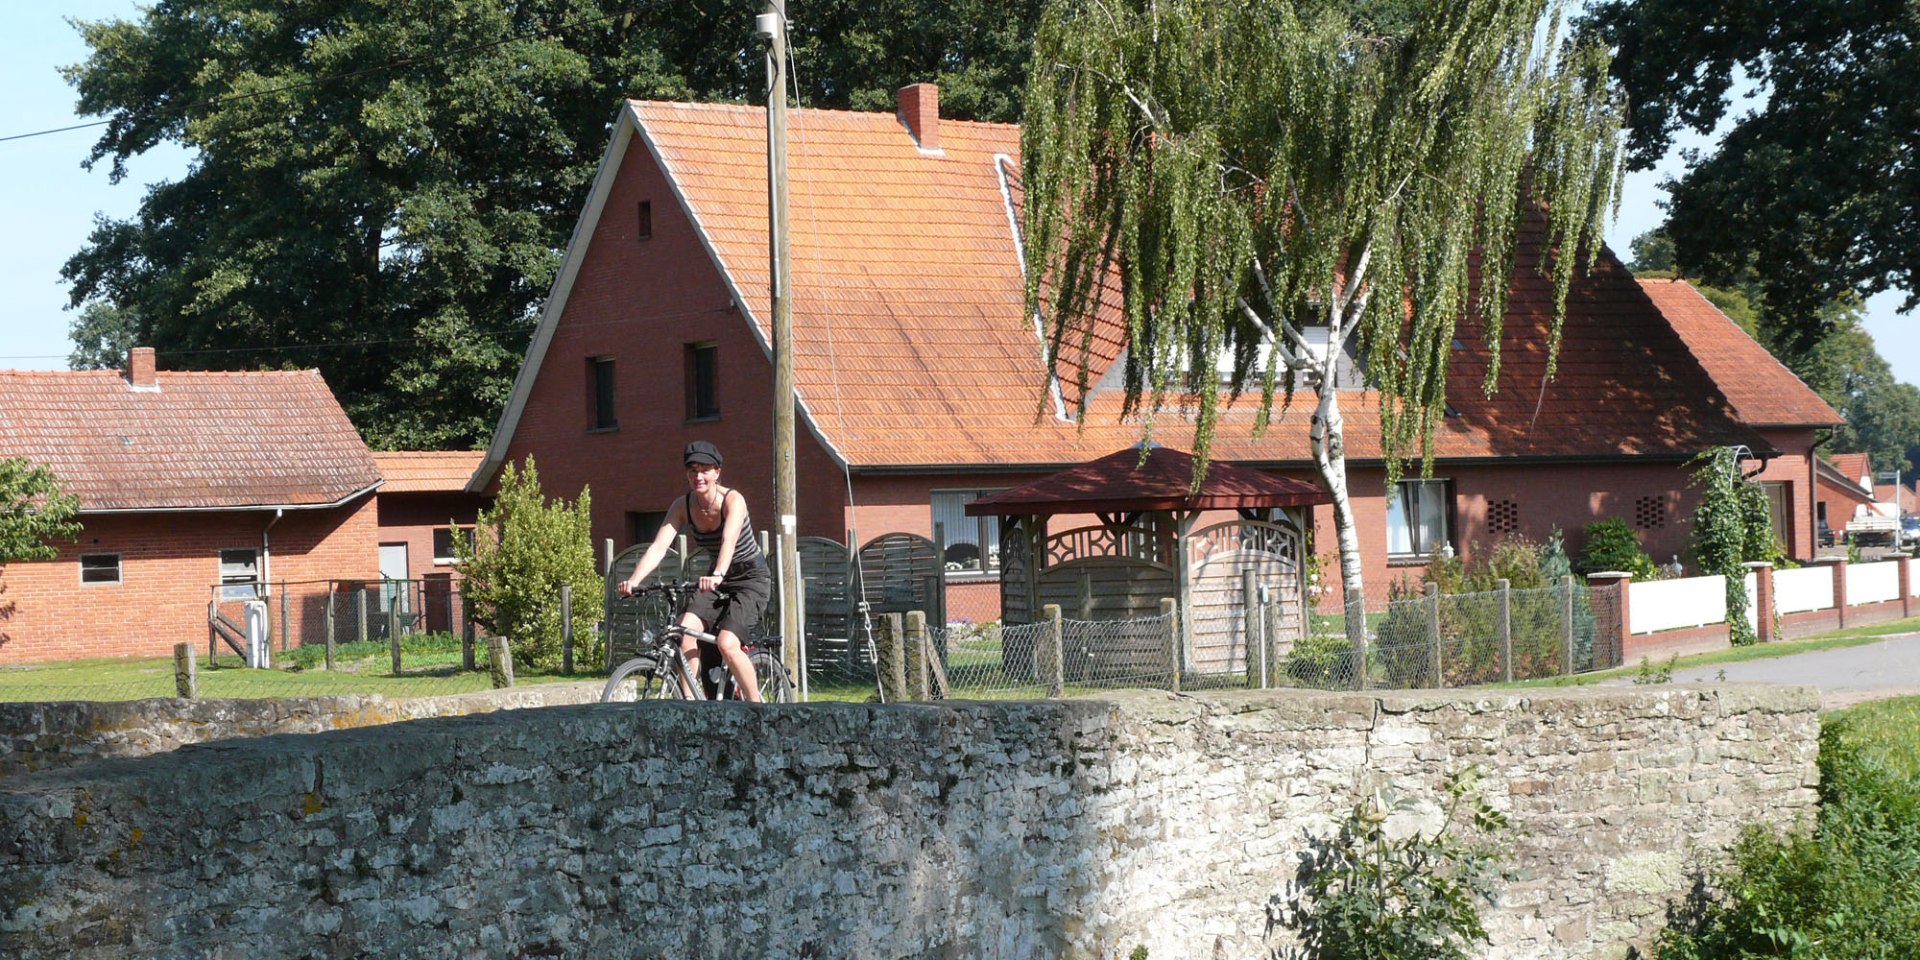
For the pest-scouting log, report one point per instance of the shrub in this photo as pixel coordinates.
(1399, 881)
(1613, 544)
(522, 550)
(1322, 660)
(1844, 891)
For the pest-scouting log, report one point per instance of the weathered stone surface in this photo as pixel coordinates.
(1073, 829)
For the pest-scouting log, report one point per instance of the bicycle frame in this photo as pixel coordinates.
(666, 650)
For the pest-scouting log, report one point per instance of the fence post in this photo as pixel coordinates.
(916, 658)
(1266, 637)
(1505, 626)
(360, 613)
(1170, 609)
(283, 616)
(1433, 632)
(1053, 665)
(566, 628)
(1566, 625)
(893, 660)
(1249, 613)
(606, 556)
(466, 633)
(186, 681)
(330, 585)
(500, 662)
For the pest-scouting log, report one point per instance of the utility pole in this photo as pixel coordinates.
(772, 25)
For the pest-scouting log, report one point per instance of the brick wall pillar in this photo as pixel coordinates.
(1906, 586)
(1609, 593)
(1762, 600)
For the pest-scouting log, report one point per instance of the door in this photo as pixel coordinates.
(393, 577)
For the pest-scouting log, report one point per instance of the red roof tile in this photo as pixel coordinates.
(200, 441)
(1854, 467)
(435, 471)
(1764, 393)
(1120, 481)
(912, 347)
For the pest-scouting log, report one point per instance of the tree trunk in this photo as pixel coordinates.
(1330, 457)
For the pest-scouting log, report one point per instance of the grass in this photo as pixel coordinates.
(430, 666)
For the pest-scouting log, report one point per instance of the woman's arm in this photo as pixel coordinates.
(657, 550)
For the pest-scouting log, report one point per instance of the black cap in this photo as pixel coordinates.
(701, 451)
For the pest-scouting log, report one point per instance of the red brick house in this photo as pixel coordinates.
(190, 485)
(1845, 490)
(423, 496)
(922, 381)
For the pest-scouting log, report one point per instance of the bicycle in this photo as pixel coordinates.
(662, 672)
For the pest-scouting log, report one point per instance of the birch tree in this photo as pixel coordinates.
(1255, 169)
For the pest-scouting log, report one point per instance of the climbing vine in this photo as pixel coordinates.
(1732, 527)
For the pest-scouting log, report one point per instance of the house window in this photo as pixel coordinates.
(1779, 495)
(443, 546)
(972, 543)
(600, 414)
(99, 568)
(239, 574)
(644, 223)
(1418, 518)
(643, 525)
(703, 369)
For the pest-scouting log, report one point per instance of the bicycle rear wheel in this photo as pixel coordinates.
(776, 684)
(651, 681)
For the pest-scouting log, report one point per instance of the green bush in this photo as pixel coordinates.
(1613, 545)
(1322, 660)
(1403, 879)
(1844, 891)
(522, 550)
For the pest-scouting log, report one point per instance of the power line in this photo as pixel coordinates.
(390, 65)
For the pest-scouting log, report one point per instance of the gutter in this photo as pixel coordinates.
(248, 508)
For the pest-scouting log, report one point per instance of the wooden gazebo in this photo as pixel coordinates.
(1147, 544)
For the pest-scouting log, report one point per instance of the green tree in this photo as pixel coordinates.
(382, 188)
(1254, 170)
(1732, 527)
(1814, 190)
(522, 549)
(33, 511)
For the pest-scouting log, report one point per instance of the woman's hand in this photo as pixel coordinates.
(710, 584)
(625, 588)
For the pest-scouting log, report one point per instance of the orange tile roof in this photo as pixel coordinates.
(426, 471)
(912, 347)
(1762, 390)
(201, 441)
(1852, 466)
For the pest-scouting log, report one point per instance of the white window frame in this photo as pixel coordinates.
(119, 569)
(1406, 518)
(234, 586)
(969, 530)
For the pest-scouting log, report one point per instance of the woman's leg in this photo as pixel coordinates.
(741, 666)
(690, 652)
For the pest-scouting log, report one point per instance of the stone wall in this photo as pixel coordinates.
(1056, 829)
(55, 735)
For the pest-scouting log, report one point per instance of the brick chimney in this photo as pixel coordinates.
(140, 369)
(920, 113)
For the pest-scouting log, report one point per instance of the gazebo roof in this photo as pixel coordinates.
(1123, 482)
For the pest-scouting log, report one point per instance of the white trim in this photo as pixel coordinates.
(250, 508)
(627, 124)
(1000, 164)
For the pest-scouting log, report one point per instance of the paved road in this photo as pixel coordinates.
(1890, 667)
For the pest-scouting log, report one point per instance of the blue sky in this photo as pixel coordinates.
(50, 203)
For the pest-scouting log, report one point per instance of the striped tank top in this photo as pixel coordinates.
(746, 549)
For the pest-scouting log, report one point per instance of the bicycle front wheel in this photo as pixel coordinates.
(776, 684)
(651, 681)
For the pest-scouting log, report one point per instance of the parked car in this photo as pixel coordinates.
(1910, 528)
(1825, 533)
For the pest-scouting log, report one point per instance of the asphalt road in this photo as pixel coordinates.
(1887, 668)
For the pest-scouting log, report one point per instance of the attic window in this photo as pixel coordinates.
(99, 568)
(601, 414)
(703, 374)
(644, 222)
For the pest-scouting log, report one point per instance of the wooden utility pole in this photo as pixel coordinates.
(772, 25)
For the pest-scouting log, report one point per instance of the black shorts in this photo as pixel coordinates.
(738, 605)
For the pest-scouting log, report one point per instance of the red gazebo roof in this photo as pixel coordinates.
(1122, 482)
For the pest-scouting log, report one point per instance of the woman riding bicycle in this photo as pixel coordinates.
(734, 594)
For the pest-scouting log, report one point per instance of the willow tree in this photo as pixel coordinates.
(1249, 171)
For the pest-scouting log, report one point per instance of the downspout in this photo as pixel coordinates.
(266, 548)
